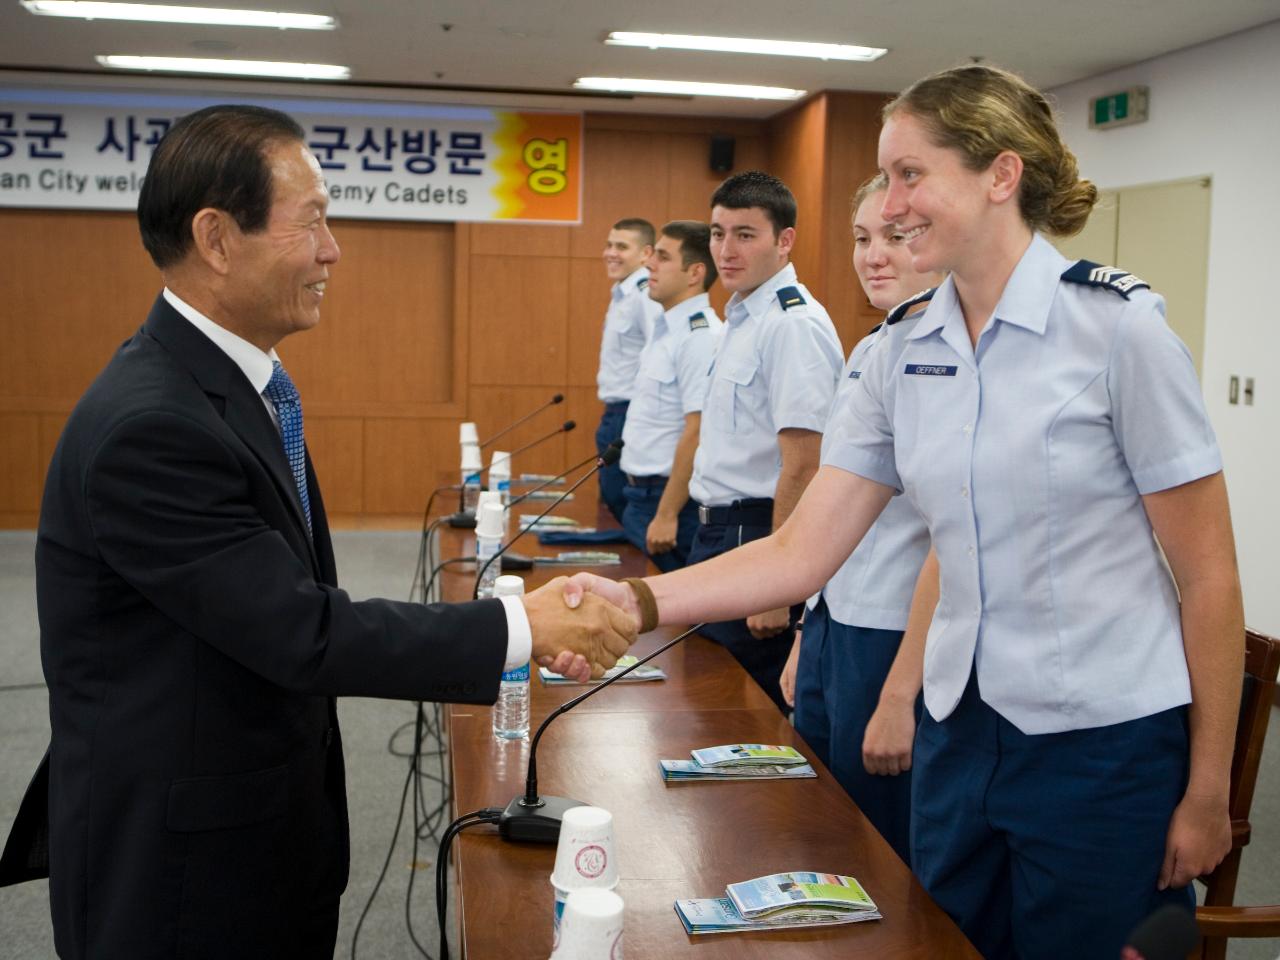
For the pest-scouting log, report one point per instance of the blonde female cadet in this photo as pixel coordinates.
(853, 629)
(1072, 766)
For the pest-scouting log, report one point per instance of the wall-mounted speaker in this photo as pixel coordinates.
(721, 153)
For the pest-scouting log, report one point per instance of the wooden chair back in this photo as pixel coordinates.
(1219, 919)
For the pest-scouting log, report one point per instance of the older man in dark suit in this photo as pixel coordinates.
(192, 631)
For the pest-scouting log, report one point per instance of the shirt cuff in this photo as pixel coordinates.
(519, 633)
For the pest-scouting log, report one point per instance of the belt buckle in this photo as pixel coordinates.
(704, 514)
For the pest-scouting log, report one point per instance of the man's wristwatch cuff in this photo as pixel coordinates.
(646, 602)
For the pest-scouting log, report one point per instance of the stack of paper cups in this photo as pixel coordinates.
(584, 857)
(591, 928)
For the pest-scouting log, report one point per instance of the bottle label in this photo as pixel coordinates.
(471, 480)
(518, 675)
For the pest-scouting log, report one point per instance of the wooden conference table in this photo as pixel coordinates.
(672, 842)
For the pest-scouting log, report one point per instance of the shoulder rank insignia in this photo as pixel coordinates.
(642, 283)
(905, 307)
(698, 321)
(790, 297)
(1110, 278)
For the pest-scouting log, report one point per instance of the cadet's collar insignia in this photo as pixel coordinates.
(698, 321)
(642, 283)
(1109, 278)
(901, 310)
(790, 297)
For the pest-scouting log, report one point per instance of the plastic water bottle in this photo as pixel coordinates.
(489, 532)
(511, 712)
(471, 467)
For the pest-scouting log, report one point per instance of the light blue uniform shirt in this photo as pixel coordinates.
(627, 323)
(775, 367)
(671, 384)
(873, 588)
(1028, 461)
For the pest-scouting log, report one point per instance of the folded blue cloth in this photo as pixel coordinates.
(571, 536)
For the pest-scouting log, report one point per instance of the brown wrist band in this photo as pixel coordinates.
(646, 602)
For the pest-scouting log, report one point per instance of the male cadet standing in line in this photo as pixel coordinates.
(627, 323)
(661, 433)
(771, 385)
(192, 802)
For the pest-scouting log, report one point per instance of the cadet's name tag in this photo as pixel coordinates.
(929, 370)
(855, 374)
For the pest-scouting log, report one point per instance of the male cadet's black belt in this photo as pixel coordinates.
(755, 512)
(635, 481)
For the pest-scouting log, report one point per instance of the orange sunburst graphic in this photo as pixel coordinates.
(539, 166)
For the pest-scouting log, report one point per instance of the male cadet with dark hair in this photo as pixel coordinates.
(661, 433)
(627, 324)
(771, 386)
(192, 802)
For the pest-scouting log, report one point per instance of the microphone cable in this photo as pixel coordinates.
(486, 815)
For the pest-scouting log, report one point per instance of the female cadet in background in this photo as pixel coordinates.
(1045, 422)
(854, 626)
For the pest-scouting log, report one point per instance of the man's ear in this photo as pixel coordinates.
(213, 234)
(787, 240)
(697, 274)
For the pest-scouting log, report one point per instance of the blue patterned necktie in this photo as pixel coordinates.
(284, 397)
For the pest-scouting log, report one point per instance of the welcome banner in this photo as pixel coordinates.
(89, 150)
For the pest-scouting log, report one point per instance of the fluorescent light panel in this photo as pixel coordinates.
(777, 48)
(247, 68)
(167, 13)
(687, 88)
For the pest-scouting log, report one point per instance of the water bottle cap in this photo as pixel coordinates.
(509, 586)
(489, 520)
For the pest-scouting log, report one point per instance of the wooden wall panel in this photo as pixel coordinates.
(588, 300)
(797, 141)
(626, 175)
(386, 333)
(493, 408)
(77, 284)
(336, 445)
(404, 460)
(519, 319)
(22, 477)
(520, 239)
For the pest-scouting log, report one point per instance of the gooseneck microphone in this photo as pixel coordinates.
(558, 398)
(465, 520)
(536, 819)
(607, 459)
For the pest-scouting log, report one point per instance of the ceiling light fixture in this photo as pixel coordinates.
(168, 13)
(687, 88)
(247, 68)
(777, 48)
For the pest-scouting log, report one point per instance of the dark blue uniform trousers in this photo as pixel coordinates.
(1047, 846)
(642, 507)
(763, 659)
(838, 680)
(612, 479)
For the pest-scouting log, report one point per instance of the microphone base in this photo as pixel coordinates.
(462, 520)
(521, 824)
(515, 561)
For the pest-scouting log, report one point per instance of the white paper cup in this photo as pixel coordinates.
(584, 855)
(591, 928)
(467, 433)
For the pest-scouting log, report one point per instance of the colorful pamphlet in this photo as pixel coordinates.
(747, 754)
(640, 674)
(801, 893)
(719, 915)
(683, 771)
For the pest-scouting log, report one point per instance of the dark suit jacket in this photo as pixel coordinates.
(193, 637)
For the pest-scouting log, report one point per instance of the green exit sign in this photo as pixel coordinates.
(1119, 109)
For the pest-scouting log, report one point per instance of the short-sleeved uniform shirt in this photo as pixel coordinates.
(873, 588)
(670, 385)
(1028, 458)
(775, 368)
(627, 323)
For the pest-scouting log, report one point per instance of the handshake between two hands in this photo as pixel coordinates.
(582, 624)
